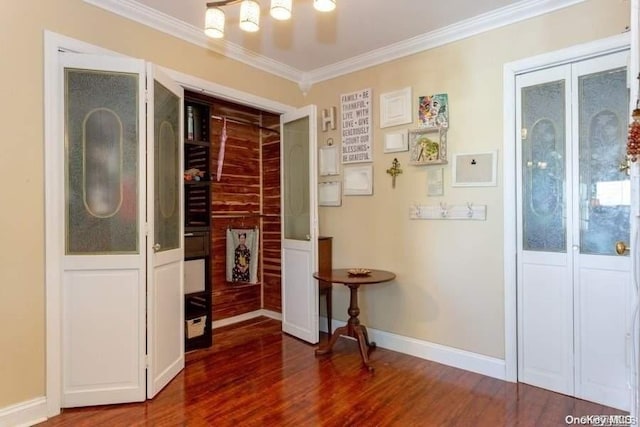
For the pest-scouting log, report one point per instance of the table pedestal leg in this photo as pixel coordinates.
(352, 329)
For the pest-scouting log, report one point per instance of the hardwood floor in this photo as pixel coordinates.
(254, 375)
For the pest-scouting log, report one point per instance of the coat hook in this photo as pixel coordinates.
(443, 210)
(473, 161)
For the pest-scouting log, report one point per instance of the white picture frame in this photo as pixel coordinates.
(328, 159)
(358, 180)
(396, 141)
(395, 108)
(475, 169)
(330, 193)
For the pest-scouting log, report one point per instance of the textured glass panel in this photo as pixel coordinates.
(167, 169)
(543, 167)
(101, 162)
(604, 189)
(296, 180)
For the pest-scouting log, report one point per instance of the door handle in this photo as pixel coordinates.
(621, 248)
(156, 247)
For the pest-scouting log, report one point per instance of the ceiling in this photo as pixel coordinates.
(314, 46)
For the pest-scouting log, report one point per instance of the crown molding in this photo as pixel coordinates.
(511, 14)
(519, 11)
(157, 20)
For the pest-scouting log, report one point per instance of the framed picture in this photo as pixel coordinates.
(435, 182)
(428, 147)
(358, 180)
(396, 141)
(328, 160)
(395, 108)
(330, 193)
(433, 111)
(475, 169)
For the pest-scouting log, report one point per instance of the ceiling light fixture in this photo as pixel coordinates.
(250, 14)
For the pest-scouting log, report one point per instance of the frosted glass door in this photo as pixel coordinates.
(103, 263)
(299, 224)
(165, 254)
(574, 205)
(602, 280)
(545, 290)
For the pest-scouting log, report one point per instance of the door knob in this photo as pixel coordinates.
(621, 248)
(156, 247)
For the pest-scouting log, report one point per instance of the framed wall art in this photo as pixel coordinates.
(433, 111)
(396, 141)
(474, 169)
(330, 193)
(428, 147)
(358, 180)
(328, 160)
(395, 108)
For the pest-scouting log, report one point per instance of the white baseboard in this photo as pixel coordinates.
(24, 414)
(245, 316)
(462, 359)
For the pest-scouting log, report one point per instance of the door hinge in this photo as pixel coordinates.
(146, 361)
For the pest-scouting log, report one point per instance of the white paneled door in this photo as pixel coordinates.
(165, 252)
(110, 229)
(574, 290)
(299, 224)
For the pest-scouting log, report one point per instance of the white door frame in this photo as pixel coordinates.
(572, 54)
(53, 43)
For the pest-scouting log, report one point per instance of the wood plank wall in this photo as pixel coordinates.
(247, 195)
(271, 235)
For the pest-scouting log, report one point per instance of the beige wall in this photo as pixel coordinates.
(449, 286)
(22, 22)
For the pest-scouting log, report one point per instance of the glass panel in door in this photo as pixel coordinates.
(543, 167)
(296, 209)
(101, 162)
(167, 168)
(604, 189)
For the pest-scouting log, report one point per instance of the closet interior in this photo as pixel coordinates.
(236, 150)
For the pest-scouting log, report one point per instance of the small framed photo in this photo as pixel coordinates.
(395, 108)
(330, 193)
(328, 160)
(358, 180)
(475, 169)
(435, 182)
(396, 141)
(428, 147)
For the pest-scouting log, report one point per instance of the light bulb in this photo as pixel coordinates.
(214, 23)
(281, 9)
(324, 5)
(250, 16)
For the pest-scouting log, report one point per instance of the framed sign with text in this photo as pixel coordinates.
(355, 110)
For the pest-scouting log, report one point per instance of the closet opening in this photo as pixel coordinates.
(236, 151)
